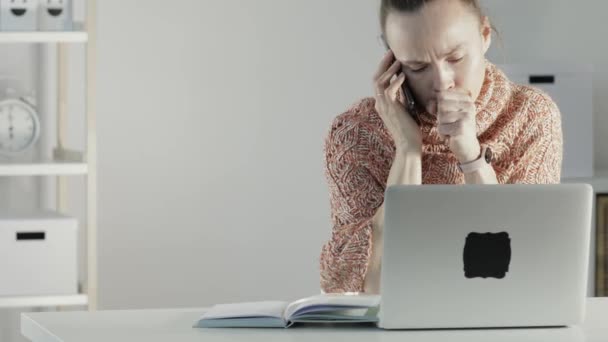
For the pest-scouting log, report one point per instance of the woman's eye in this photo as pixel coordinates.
(418, 69)
(456, 60)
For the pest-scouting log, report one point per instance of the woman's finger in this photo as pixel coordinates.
(456, 105)
(393, 89)
(452, 129)
(454, 95)
(450, 117)
(401, 96)
(385, 79)
(385, 62)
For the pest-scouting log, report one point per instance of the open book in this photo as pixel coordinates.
(324, 308)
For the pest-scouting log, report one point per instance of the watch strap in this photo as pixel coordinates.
(484, 159)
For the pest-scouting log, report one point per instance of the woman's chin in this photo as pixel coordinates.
(431, 107)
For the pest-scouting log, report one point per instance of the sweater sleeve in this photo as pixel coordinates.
(538, 155)
(355, 195)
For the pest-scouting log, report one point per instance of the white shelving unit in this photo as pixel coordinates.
(44, 168)
(43, 37)
(43, 301)
(599, 181)
(65, 162)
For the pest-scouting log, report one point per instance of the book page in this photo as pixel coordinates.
(247, 310)
(329, 300)
(258, 322)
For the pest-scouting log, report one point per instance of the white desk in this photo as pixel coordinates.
(175, 325)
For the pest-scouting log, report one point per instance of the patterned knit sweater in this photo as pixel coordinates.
(521, 124)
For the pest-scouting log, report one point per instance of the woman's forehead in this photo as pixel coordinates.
(425, 31)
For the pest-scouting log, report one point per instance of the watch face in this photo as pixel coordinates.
(18, 128)
(488, 155)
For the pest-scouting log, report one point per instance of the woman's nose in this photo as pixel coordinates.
(443, 79)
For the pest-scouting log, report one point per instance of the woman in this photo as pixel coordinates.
(475, 126)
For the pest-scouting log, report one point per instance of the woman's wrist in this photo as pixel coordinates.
(471, 153)
(409, 148)
(407, 166)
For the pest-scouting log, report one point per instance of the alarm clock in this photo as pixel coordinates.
(19, 126)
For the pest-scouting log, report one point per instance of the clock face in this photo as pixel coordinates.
(18, 127)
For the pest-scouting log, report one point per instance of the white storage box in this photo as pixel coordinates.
(38, 254)
(571, 87)
(55, 15)
(18, 15)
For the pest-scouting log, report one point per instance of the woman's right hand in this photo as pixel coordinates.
(390, 106)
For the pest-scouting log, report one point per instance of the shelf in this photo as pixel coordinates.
(44, 37)
(44, 168)
(599, 181)
(43, 301)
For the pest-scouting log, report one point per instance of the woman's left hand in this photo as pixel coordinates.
(456, 117)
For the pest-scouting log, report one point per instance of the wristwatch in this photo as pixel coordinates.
(484, 159)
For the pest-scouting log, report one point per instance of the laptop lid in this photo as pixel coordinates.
(485, 255)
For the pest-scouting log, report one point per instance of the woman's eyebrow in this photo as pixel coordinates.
(456, 48)
(459, 46)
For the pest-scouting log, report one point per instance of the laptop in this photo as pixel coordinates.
(485, 256)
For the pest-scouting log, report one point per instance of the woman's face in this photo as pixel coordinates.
(441, 46)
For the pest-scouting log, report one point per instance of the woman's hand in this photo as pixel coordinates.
(456, 117)
(390, 105)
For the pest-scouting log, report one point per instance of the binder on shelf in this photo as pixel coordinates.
(18, 15)
(55, 15)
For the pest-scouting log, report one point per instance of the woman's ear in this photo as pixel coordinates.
(486, 34)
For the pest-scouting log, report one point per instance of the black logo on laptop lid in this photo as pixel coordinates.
(487, 255)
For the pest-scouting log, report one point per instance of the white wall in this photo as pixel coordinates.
(211, 120)
(232, 101)
(211, 129)
(211, 116)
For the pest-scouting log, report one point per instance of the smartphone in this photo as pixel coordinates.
(409, 97)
